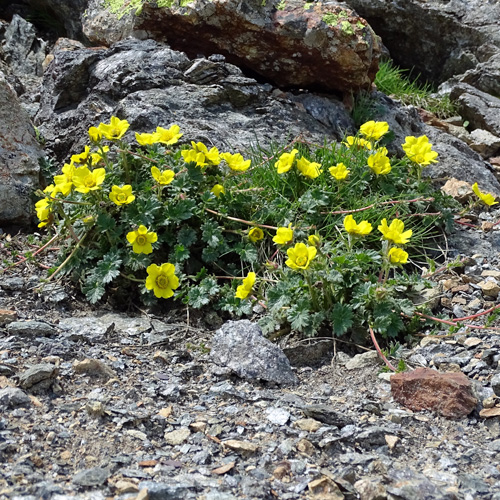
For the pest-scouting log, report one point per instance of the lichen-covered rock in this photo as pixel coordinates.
(321, 45)
(19, 157)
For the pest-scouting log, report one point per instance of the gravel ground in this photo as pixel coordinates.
(102, 404)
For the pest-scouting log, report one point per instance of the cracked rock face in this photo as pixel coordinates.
(149, 84)
(321, 45)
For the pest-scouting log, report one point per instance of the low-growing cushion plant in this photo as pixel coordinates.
(324, 237)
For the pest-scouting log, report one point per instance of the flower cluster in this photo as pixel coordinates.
(189, 221)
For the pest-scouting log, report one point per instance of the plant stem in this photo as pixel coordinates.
(380, 353)
(66, 260)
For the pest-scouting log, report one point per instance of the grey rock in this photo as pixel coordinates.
(43, 372)
(24, 52)
(95, 476)
(406, 484)
(439, 39)
(327, 414)
(12, 397)
(363, 360)
(484, 142)
(482, 110)
(31, 329)
(19, 157)
(277, 416)
(14, 283)
(165, 491)
(241, 346)
(485, 76)
(145, 83)
(495, 384)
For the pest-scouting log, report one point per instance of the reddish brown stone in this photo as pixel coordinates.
(319, 45)
(448, 394)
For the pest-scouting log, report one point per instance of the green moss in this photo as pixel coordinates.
(122, 7)
(347, 28)
(281, 5)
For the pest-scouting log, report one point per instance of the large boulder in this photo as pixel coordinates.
(316, 45)
(19, 160)
(149, 84)
(439, 38)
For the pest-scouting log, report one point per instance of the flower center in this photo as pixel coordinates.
(301, 261)
(122, 197)
(141, 239)
(89, 181)
(162, 281)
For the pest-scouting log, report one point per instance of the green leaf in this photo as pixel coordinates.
(187, 236)
(341, 319)
(299, 319)
(197, 297)
(93, 291)
(211, 233)
(109, 267)
(180, 211)
(180, 253)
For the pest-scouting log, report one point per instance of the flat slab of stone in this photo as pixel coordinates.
(448, 394)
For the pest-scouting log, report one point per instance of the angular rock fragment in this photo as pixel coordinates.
(448, 394)
(43, 372)
(240, 346)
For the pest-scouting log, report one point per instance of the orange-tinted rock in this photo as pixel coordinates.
(320, 45)
(448, 394)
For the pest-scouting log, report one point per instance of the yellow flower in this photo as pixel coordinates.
(284, 235)
(244, 290)
(373, 131)
(115, 129)
(212, 156)
(236, 161)
(218, 189)
(85, 180)
(191, 156)
(64, 182)
(486, 198)
(97, 157)
(357, 143)
(300, 256)
(82, 157)
(162, 280)
(285, 161)
(314, 240)
(145, 139)
(255, 234)
(398, 256)
(168, 136)
(419, 150)
(95, 134)
(121, 195)
(43, 212)
(163, 178)
(379, 163)
(352, 227)
(395, 232)
(339, 171)
(308, 168)
(141, 240)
